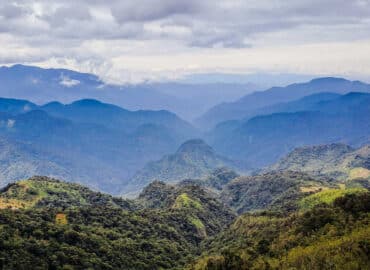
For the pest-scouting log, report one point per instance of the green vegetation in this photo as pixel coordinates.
(58, 225)
(47, 192)
(279, 191)
(293, 221)
(93, 238)
(183, 200)
(335, 236)
(326, 196)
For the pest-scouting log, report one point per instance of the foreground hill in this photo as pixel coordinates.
(328, 236)
(193, 159)
(251, 103)
(56, 225)
(52, 224)
(264, 139)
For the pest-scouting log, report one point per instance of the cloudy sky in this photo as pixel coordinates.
(133, 41)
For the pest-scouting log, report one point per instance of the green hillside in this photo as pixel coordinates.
(279, 191)
(288, 220)
(329, 236)
(56, 225)
(40, 191)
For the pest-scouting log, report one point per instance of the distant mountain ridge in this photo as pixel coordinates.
(249, 104)
(263, 139)
(42, 85)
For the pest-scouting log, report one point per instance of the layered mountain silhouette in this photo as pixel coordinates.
(86, 140)
(41, 86)
(251, 104)
(263, 139)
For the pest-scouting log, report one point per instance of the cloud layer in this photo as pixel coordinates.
(153, 39)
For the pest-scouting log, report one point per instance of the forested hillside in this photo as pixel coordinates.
(287, 220)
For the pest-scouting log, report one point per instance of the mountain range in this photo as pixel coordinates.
(251, 104)
(118, 150)
(85, 140)
(263, 139)
(42, 85)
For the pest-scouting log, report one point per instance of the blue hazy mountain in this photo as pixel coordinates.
(101, 145)
(114, 117)
(188, 100)
(262, 139)
(15, 106)
(249, 105)
(194, 159)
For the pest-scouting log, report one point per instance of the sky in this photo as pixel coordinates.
(125, 41)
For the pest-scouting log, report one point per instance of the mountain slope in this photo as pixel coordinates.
(339, 161)
(21, 160)
(193, 159)
(328, 236)
(275, 190)
(249, 104)
(203, 209)
(40, 191)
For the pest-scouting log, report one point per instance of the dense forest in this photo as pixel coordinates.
(298, 222)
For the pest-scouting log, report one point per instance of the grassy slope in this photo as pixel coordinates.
(43, 191)
(327, 196)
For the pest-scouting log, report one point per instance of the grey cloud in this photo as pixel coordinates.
(149, 10)
(9, 10)
(61, 15)
(208, 23)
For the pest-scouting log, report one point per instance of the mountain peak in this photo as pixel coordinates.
(87, 102)
(195, 145)
(329, 80)
(193, 160)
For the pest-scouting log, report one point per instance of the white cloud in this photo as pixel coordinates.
(10, 123)
(68, 82)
